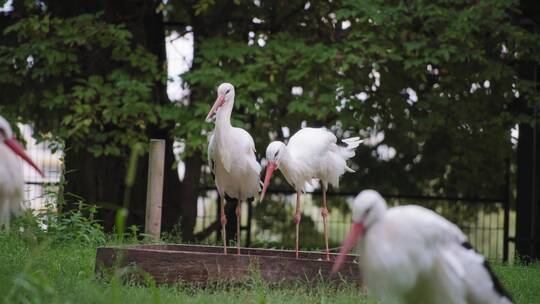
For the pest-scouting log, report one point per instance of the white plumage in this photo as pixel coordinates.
(312, 153)
(410, 254)
(231, 157)
(233, 162)
(11, 185)
(11, 177)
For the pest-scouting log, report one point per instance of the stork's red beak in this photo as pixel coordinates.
(218, 103)
(356, 232)
(18, 149)
(270, 168)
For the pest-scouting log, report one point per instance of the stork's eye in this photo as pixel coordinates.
(275, 155)
(227, 91)
(367, 211)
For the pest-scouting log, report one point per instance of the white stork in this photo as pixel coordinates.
(11, 177)
(231, 157)
(410, 254)
(311, 153)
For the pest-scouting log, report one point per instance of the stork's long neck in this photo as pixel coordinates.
(223, 116)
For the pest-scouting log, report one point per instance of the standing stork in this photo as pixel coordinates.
(11, 177)
(311, 153)
(231, 157)
(410, 254)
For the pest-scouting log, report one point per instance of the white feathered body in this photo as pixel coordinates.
(413, 255)
(314, 153)
(11, 184)
(231, 153)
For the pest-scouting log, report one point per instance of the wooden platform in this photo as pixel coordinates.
(207, 264)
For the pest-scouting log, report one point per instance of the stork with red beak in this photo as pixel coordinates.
(11, 177)
(410, 254)
(311, 153)
(231, 157)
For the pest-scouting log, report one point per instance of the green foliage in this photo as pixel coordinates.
(54, 67)
(452, 138)
(459, 57)
(58, 224)
(57, 265)
(64, 273)
(76, 225)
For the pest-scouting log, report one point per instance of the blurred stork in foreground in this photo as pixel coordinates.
(231, 157)
(410, 254)
(11, 176)
(311, 153)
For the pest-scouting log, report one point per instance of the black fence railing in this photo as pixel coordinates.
(486, 221)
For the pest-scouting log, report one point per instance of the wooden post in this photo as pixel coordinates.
(154, 192)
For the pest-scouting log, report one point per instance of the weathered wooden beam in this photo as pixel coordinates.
(202, 265)
(154, 193)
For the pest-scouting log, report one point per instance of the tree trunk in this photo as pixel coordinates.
(190, 184)
(528, 201)
(190, 193)
(528, 168)
(100, 180)
(172, 191)
(193, 163)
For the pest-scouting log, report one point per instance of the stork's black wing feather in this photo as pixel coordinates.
(496, 283)
(341, 143)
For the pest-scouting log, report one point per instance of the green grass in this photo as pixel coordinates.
(63, 272)
(523, 282)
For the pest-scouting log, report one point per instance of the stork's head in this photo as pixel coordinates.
(368, 208)
(225, 93)
(275, 151)
(6, 137)
(274, 154)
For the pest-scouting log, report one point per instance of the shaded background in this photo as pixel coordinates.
(444, 92)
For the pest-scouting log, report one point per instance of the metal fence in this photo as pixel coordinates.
(487, 222)
(38, 190)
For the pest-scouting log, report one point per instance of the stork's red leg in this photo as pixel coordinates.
(324, 213)
(223, 224)
(238, 221)
(297, 218)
